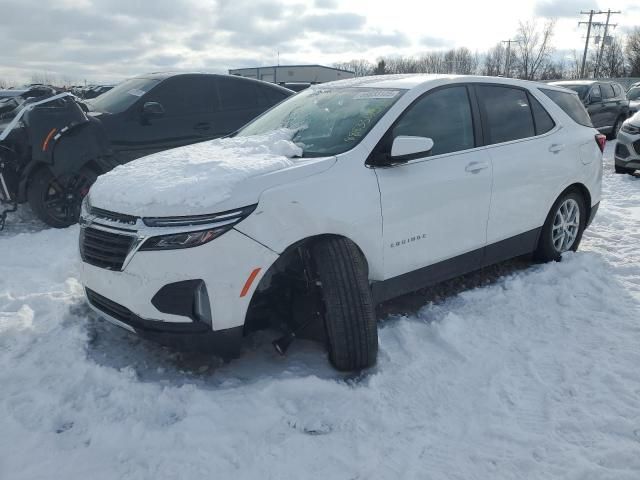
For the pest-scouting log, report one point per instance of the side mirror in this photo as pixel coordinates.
(152, 110)
(405, 148)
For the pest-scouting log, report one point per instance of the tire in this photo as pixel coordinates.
(549, 250)
(349, 314)
(616, 128)
(56, 201)
(622, 170)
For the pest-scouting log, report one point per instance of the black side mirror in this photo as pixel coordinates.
(152, 110)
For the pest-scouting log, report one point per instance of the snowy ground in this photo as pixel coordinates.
(518, 372)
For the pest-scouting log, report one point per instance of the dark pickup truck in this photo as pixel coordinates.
(605, 101)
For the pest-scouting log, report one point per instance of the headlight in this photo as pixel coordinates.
(183, 240)
(211, 227)
(632, 129)
(85, 207)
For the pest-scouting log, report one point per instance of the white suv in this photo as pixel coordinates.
(399, 182)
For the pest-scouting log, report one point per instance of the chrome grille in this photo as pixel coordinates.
(104, 249)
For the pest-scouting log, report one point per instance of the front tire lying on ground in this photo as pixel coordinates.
(563, 228)
(56, 200)
(349, 312)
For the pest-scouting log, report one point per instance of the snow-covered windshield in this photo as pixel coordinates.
(634, 94)
(122, 96)
(327, 121)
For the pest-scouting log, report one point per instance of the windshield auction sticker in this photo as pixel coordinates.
(136, 92)
(376, 94)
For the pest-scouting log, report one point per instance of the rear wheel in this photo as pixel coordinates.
(56, 200)
(349, 313)
(562, 230)
(628, 171)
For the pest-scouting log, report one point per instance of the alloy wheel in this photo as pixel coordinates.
(64, 195)
(566, 225)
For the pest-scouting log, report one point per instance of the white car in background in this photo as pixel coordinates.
(343, 196)
(627, 152)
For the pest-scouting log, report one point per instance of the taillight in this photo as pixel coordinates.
(601, 140)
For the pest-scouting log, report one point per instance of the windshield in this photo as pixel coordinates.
(327, 121)
(581, 90)
(122, 96)
(634, 94)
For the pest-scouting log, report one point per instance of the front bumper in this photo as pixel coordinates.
(627, 154)
(223, 265)
(185, 336)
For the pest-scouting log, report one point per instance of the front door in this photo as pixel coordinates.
(436, 207)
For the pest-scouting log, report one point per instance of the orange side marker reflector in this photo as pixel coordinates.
(249, 281)
(47, 139)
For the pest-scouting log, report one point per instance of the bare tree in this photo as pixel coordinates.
(533, 49)
(612, 61)
(360, 67)
(494, 60)
(632, 51)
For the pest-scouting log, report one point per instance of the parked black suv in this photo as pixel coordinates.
(605, 101)
(52, 155)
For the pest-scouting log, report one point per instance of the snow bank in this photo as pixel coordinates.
(534, 377)
(197, 176)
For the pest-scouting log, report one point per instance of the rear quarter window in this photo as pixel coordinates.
(571, 105)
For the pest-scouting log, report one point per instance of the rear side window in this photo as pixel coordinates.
(268, 96)
(571, 105)
(444, 116)
(542, 119)
(607, 90)
(507, 113)
(236, 94)
(595, 95)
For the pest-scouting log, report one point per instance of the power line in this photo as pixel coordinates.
(603, 41)
(507, 62)
(586, 43)
(591, 24)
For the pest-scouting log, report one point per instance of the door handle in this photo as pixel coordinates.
(556, 147)
(202, 126)
(475, 167)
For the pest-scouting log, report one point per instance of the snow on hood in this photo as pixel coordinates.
(196, 178)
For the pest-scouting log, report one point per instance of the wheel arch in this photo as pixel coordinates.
(583, 191)
(306, 244)
(289, 258)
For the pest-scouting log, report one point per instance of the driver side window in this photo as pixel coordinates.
(595, 95)
(444, 116)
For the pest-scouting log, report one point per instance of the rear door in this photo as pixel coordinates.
(525, 152)
(435, 207)
(240, 103)
(611, 104)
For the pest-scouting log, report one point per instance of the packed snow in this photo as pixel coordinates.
(518, 372)
(197, 176)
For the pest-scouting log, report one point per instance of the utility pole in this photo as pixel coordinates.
(507, 62)
(603, 41)
(586, 43)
